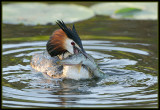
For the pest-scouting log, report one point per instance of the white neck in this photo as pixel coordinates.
(73, 73)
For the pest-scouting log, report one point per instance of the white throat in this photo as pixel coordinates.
(73, 72)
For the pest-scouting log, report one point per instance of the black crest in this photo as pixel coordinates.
(72, 34)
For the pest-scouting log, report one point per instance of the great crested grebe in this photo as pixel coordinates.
(62, 43)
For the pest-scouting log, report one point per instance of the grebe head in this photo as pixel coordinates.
(64, 40)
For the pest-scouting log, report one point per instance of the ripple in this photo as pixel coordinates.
(24, 44)
(117, 48)
(17, 67)
(23, 86)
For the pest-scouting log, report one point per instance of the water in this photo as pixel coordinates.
(129, 84)
(126, 50)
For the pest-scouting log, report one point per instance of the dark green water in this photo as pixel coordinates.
(125, 47)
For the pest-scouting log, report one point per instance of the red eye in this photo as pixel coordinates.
(72, 43)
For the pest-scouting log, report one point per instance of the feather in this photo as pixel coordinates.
(72, 34)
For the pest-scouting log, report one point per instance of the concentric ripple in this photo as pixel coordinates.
(125, 85)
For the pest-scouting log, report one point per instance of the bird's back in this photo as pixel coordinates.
(44, 63)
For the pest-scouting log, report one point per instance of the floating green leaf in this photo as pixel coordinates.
(130, 10)
(41, 13)
(127, 11)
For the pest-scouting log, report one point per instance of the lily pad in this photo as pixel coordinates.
(40, 13)
(127, 10)
(131, 10)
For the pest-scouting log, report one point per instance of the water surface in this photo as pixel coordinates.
(128, 53)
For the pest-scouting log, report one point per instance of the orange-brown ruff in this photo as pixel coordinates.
(56, 43)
